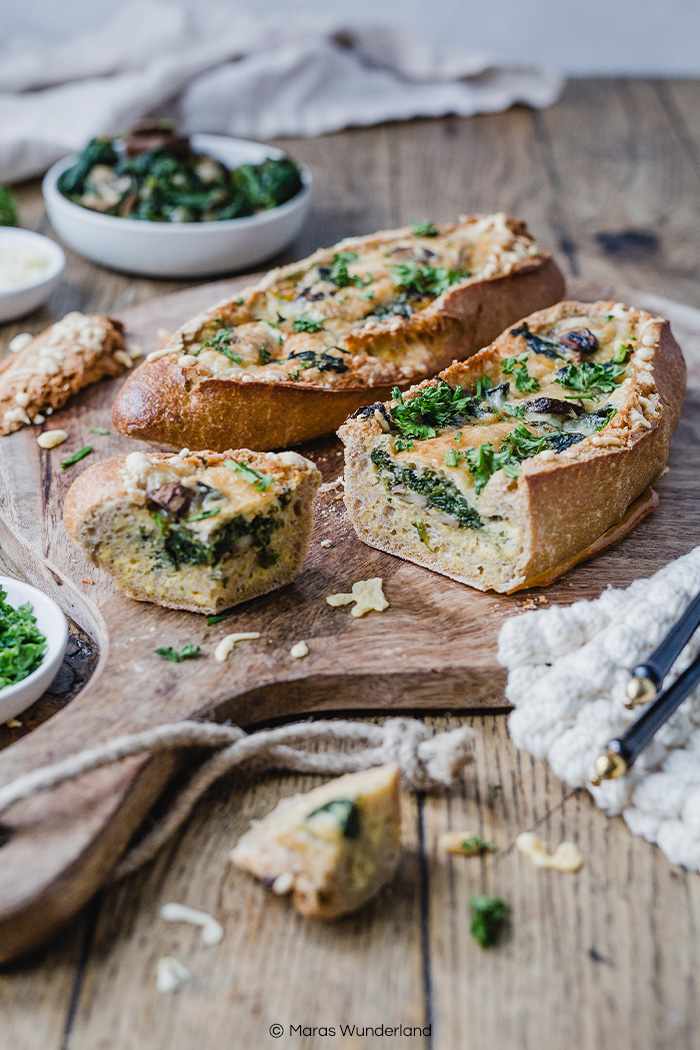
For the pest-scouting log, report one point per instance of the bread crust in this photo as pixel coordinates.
(561, 505)
(168, 404)
(63, 359)
(104, 485)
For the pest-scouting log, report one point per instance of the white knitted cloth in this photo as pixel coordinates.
(567, 674)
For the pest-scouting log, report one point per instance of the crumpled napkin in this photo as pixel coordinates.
(231, 72)
(567, 676)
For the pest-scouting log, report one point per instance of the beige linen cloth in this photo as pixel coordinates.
(220, 70)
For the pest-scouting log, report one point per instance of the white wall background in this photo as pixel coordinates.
(580, 37)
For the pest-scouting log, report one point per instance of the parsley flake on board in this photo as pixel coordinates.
(488, 916)
(211, 620)
(304, 323)
(22, 645)
(188, 652)
(590, 379)
(424, 229)
(254, 477)
(475, 844)
(99, 430)
(76, 457)
(422, 279)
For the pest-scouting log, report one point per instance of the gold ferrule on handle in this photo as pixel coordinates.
(639, 691)
(608, 766)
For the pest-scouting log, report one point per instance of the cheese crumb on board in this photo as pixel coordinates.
(299, 650)
(51, 438)
(326, 543)
(567, 857)
(19, 342)
(329, 486)
(225, 646)
(464, 843)
(212, 930)
(367, 595)
(171, 974)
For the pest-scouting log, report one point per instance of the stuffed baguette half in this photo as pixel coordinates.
(289, 359)
(199, 530)
(507, 466)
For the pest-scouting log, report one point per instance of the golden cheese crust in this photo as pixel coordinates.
(588, 455)
(289, 359)
(66, 357)
(200, 531)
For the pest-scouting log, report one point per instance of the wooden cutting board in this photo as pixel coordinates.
(434, 648)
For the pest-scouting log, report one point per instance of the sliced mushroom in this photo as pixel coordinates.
(173, 497)
(579, 341)
(553, 406)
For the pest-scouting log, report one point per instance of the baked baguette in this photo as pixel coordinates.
(508, 465)
(199, 530)
(333, 848)
(291, 357)
(60, 361)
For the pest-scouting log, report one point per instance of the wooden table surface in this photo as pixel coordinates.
(609, 178)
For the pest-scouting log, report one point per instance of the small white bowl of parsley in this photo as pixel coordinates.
(33, 636)
(158, 203)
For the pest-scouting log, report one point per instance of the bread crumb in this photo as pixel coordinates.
(283, 884)
(171, 974)
(299, 650)
(463, 842)
(326, 544)
(86, 579)
(223, 649)
(51, 438)
(567, 857)
(14, 723)
(367, 595)
(329, 486)
(212, 930)
(163, 333)
(19, 342)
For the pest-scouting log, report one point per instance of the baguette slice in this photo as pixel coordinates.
(60, 361)
(508, 466)
(199, 530)
(290, 358)
(333, 848)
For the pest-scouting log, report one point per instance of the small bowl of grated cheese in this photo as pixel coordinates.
(30, 267)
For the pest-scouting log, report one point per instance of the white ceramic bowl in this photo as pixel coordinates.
(185, 249)
(53, 625)
(16, 302)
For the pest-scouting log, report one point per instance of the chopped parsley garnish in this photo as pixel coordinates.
(337, 272)
(188, 652)
(76, 457)
(254, 477)
(211, 620)
(590, 379)
(403, 444)
(346, 814)
(424, 229)
(606, 419)
(206, 514)
(436, 406)
(488, 916)
(523, 444)
(452, 458)
(220, 342)
(475, 844)
(22, 645)
(621, 354)
(99, 430)
(517, 367)
(483, 462)
(265, 355)
(482, 386)
(304, 323)
(422, 279)
(420, 528)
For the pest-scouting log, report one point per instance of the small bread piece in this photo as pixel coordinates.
(71, 354)
(507, 466)
(200, 530)
(289, 359)
(334, 848)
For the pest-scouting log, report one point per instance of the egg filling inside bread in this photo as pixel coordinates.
(198, 531)
(333, 848)
(453, 474)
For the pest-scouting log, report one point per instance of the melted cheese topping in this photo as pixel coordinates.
(305, 322)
